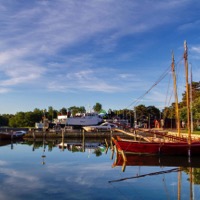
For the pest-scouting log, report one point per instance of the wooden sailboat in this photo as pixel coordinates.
(185, 148)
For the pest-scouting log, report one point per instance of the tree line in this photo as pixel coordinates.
(139, 114)
(28, 119)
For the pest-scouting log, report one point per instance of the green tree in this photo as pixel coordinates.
(153, 111)
(97, 107)
(4, 120)
(52, 114)
(82, 109)
(141, 112)
(63, 111)
(18, 120)
(74, 110)
(196, 112)
(25, 119)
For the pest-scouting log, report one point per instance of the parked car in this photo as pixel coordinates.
(106, 126)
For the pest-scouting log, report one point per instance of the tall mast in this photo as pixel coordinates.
(176, 95)
(187, 93)
(192, 126)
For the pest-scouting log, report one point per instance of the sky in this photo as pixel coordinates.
(64, 53)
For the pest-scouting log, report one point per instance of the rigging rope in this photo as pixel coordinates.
(167, 91)
(150, 174)
(160, 78)
(163, 75)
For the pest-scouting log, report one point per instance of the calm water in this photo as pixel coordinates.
(42, 170)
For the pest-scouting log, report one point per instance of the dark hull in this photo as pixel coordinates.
(9, 136)
(156, 148)
(154, 160)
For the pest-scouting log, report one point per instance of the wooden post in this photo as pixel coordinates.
(111, 135)
(11, 140)
(106, 143)
(112, 154)
(11, 136)
(33, 134)
(123, 166)
(63, 139)
(44, 134)
(83, 144)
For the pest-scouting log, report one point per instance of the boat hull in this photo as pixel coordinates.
(154, 148)
(156, 160)
(11, 135)
(89, 120)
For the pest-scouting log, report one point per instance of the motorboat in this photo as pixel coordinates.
(81, 146)
(86, 119)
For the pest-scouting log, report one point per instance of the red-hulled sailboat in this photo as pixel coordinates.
(158, 148)
(185, 148)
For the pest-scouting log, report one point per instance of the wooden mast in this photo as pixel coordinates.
(191, 115)
(176, 95)
(187, 93)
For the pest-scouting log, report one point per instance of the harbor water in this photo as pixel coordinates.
(44, 170)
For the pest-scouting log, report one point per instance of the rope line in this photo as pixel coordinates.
(162, 76)
(150, 174)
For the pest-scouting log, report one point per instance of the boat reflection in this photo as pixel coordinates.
(150, 160)
(71, 145)
(10, 142)
(81, 147)
(173, 164)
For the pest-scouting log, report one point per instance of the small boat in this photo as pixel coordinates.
(5, 135)
(106, 126)
(11, 135)
(86, 119)
(157, 148)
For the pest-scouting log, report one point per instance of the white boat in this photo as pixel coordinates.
(81, 147)
(87, 119)
(10, 135)
(19, 133)
(106, 126)
(62, 145)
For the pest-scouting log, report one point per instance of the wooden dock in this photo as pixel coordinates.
(71, 134)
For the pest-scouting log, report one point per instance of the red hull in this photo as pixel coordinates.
(155, 160)
(179, 148)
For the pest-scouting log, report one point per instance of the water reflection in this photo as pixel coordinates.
(151, 160)
(163, 164)
(69, 145)
(77, 169)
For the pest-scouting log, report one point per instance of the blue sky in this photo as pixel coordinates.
(65, 53)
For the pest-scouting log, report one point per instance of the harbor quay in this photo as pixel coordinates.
(76, 133)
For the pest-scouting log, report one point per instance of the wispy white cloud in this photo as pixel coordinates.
(67, 45)
(46, 28)
(195, 49)
(20, 73)
(4, 90)
(10, 55)
(16, 174)
(3, 163)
